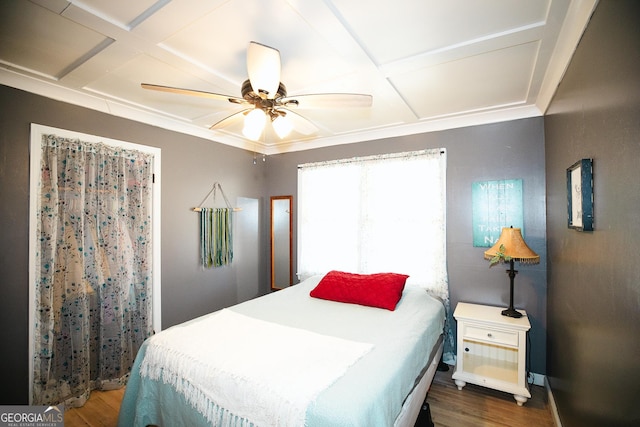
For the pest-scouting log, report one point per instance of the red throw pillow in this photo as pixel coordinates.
(382, 290)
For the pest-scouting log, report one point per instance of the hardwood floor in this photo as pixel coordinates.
(476, 406)
(473, 406)
(101, 410)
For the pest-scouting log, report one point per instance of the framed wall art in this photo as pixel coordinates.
(580, 195)
(496, 204)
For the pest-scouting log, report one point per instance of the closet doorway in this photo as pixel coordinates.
(94, 262)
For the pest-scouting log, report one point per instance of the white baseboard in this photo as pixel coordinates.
(552, 404)
(541, 380)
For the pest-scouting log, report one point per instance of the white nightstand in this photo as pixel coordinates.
(492, 349)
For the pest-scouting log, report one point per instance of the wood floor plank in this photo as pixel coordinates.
(72, 418)
(101, 410)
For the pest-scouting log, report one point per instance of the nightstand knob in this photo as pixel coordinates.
(489, 335)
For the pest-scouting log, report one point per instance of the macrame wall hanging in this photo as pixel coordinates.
(216, 231)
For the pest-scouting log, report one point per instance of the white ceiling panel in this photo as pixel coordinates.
(391, 32)
(428, 65)
(449, 88)
(123, 13)
(36, 40)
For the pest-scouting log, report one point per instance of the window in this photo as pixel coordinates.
(375, 214)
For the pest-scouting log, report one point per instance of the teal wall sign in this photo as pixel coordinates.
(496, 204)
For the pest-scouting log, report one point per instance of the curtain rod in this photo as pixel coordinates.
(376, 157)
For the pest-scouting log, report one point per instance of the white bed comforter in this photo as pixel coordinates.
(220, 367)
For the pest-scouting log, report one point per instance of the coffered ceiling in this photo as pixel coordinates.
(428, 64)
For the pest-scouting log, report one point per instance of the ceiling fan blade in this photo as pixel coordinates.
(229, 120)
(263, 67)
(191, 92)
(300, 124)
(328, 100)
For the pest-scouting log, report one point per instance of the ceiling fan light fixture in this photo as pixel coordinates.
(265, 97)
(282, 125)
(254, 124)
(263, 67)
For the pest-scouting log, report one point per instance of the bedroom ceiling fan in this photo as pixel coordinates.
(266, 98)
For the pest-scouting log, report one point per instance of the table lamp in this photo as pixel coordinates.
(511, 247)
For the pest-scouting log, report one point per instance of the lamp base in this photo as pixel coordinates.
(511, 312)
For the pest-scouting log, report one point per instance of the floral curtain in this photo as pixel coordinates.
(374, 214)
(93, 280)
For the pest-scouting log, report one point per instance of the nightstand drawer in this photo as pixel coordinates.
(491, 335)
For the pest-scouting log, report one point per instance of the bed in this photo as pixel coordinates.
(303, 360)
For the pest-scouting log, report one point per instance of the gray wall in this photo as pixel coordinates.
(189, 168)
(593, 359)
(492, 152)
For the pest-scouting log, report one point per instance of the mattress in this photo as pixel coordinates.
(372, 392)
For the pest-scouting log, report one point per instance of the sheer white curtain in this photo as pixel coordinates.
(374, 214)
